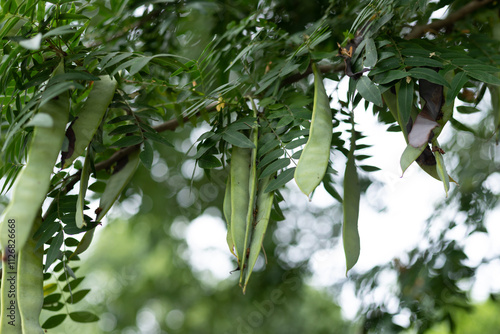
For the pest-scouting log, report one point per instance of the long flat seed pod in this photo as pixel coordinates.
(240, 176)
(252, 192)
(84, 127)
(261, 220)
(33, 181)
(30, 284)
(10, 321)
(117, 182)
(313, 162)
(350, 234)
(227, 214)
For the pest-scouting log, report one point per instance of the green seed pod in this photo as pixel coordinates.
(261, 214)
(227, 214)
(313, 162)
(117, 182)
(252, 192)
(84, 127)
(30, 284)
(33, 181)
(350, 234)
(240, 197)
(10, 320)
(28, 195)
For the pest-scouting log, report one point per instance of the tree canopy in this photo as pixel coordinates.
(178, 109)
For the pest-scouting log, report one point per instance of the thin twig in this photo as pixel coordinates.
(419, 30)
(299, 76)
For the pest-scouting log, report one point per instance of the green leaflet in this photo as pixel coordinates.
(405, 100)
(259, 226)
(84, 244)
(457, 83)
(84, 182)
(30, 284)
(369, 91)
(409, 155)
(83, 128)
(370, 53)
(350, 205)
(314, 159)
(116, 183)
(33, 181)
(429, 75)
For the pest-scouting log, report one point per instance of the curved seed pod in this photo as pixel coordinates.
(80, 203)
(350, 234)
(240, 197)
(313, 162)
(84, 127)
(261, 220)
(30, 284)
(33, 181)
(117, 182)
(227, 214)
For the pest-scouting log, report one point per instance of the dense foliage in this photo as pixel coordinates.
(155, 92)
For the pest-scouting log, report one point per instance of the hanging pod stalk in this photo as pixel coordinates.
(313, 161)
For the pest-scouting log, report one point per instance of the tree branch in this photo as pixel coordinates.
(419, 30)
(299, 76)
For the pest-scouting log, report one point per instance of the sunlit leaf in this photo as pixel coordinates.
(369, 91)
